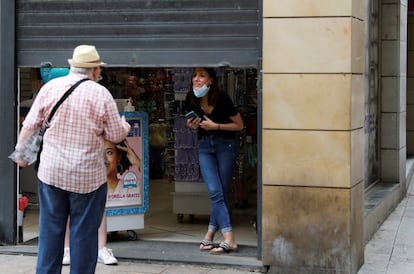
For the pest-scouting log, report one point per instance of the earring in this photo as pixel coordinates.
(120, 169)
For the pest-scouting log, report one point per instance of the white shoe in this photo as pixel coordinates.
(66, 256)
(106, 256)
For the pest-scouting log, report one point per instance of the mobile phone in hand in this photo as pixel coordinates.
(191, 115)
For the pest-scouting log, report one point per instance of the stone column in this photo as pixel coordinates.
(409, 84)
(394, 93)
(313, 117)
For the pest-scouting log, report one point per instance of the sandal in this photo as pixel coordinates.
(222, 248)
(206, 245)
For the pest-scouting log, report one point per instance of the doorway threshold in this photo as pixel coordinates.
(163, 251)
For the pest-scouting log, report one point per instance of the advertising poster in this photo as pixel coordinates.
(127, 165)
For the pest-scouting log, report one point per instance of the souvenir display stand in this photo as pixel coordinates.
(190, 194)
(125, 209)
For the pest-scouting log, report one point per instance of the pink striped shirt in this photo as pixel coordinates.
(73, 147)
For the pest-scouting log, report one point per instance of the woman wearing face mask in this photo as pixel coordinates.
(217, 124)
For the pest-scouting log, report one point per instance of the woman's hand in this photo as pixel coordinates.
(235, 125)
(131, 155)
(208, 124)
(193, 122)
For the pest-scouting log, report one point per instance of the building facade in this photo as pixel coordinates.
(335, 118)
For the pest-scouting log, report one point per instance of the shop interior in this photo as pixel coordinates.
(178, 201)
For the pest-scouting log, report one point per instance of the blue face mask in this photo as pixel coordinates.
(201, 91)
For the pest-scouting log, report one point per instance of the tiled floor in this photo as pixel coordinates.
(161, 224)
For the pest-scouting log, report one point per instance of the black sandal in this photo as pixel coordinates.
(225, 248)
(205, 244)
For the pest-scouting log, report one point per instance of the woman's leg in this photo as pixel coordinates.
(225, 154)
(217, 156)
(105, 254)
(66, 251)
(67, 234)
(102, 234)
(226, 151)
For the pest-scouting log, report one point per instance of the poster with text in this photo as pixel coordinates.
(126, 166)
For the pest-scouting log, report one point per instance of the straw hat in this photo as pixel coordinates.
(85, 56)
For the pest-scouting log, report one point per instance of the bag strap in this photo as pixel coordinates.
(63, 98)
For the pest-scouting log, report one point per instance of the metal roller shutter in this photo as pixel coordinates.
(144, 33)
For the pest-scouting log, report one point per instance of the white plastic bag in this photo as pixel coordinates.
(28, 151)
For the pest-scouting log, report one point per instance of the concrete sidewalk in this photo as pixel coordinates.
(391, 249)
(25, 264)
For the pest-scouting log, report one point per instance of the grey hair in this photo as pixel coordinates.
(85, 71)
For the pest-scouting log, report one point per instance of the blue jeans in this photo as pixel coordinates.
(85, 211)
(217, 158)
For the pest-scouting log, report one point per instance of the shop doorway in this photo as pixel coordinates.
(178, 201)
